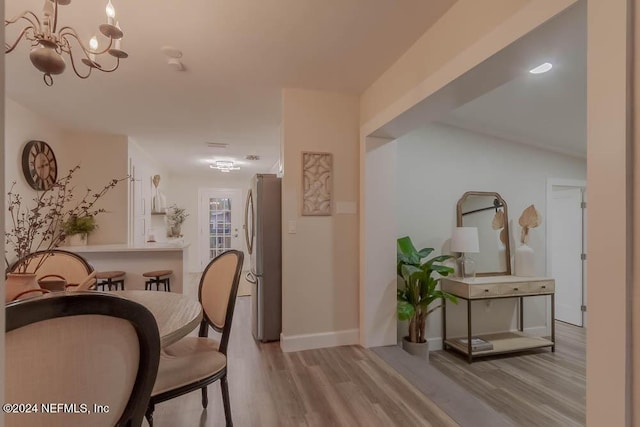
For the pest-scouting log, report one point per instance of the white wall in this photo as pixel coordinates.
(183, 191)
(436, 165)
(144, 166)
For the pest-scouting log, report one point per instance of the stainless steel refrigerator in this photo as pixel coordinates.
(263, 233)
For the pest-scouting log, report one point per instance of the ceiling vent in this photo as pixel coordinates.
(217, 145)
(252, 157)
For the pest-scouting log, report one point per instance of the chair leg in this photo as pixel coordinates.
(149, 414)
(169, 284)
(225, 400)
(205, 399)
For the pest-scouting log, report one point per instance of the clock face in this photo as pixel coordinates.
(39, 165)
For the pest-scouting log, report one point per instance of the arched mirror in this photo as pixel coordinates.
(487, 212)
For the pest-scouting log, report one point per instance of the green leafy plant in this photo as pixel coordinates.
(80, 225)
(420, 287)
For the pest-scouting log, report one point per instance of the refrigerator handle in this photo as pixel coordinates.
(251, 278)
(249, 228)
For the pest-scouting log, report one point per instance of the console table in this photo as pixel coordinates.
(495, 287)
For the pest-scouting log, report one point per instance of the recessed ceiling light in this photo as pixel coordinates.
(542, 68)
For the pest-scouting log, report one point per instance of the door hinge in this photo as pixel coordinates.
(583, 257)
(583, 205)
(583, 308)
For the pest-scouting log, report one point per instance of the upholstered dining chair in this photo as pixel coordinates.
(53, 354)
(56, 262)
(195, 362)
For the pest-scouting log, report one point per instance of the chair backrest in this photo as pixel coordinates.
(217, 293)
(80, 348)
(72, 267)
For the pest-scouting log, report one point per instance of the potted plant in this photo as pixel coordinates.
(77, 229)
(175, 218)
(415, 298)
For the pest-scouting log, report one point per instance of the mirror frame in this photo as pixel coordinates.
(506, 226)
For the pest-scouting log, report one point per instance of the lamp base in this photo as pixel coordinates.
(466, 267)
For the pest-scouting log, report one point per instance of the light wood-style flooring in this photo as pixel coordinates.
(532, 389)
(344, 386)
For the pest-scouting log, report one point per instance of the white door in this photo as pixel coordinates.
(220, 219)
(566, 237)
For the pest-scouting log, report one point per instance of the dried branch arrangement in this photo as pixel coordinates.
(530, 218)
(41, 226)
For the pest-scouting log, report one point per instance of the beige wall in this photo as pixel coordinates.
(101, 158)
(320, 261)
(2, 216)
(609, 223)
(635, 294)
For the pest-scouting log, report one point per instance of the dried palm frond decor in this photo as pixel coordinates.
(40, 225)
(525, 256)
(498, 224)
(530, 218)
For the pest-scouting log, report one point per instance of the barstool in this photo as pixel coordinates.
(159, 277)
(106, 278)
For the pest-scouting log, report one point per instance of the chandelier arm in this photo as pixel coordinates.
(111, 70)
(25, 15)
(75, 70)
(9, 48)
(70, 32)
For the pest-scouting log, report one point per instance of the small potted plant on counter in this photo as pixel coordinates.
(175, 218)
(78, 228)
(419, 292)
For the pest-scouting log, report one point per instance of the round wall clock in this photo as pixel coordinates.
(39, 165)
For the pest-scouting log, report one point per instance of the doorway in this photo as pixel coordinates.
(566, 252)
(219, 219)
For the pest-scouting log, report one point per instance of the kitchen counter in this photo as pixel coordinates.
(138, 259)
(123, 247)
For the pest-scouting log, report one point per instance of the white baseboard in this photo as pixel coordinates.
(435, 344)
(320, 340)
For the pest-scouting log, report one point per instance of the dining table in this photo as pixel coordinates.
(176, 314)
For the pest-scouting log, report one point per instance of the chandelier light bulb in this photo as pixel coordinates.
(111, 13)
(93, 43)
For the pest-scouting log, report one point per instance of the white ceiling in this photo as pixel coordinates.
(238, 54)
(545, 110)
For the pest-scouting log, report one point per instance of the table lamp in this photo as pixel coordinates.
(465, 240)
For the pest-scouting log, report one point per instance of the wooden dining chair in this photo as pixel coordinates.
(53, 354)
(195, 362)
(55, 262)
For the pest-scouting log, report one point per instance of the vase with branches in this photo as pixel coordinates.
(40, 224)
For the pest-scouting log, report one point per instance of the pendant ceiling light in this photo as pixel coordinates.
(49, 42)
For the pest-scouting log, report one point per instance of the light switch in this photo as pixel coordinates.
(292, 226)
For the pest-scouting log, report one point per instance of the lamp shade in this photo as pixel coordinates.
(465, 239)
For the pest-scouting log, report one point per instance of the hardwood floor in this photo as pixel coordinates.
(533, 389)
(344, 386)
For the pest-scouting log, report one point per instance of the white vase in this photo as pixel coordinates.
(525, 261)
(78, 240)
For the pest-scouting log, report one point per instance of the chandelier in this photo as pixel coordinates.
(49, 43)
(224, 166)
